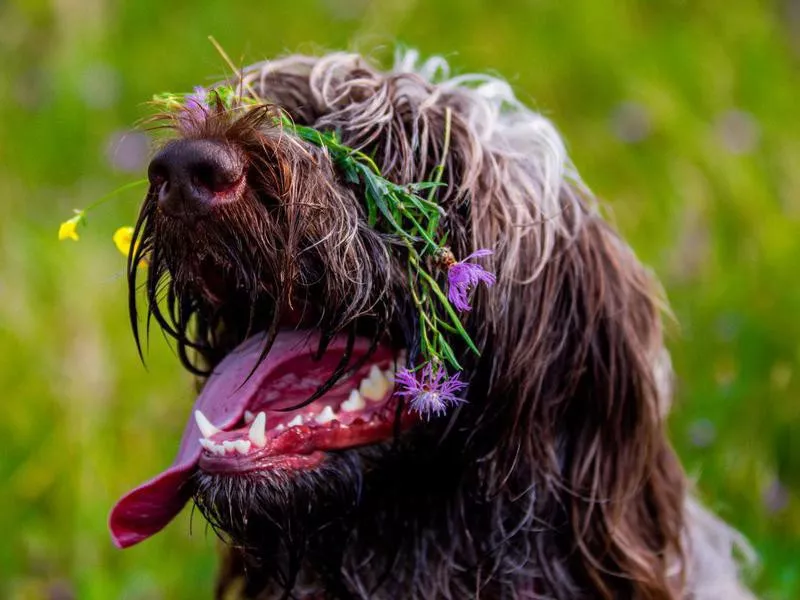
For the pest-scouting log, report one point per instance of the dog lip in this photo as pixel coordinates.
(310, 438)
(262, 462)
(228, 392)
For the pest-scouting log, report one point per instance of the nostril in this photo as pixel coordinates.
(202, 175)
(158, 174)
(213, 177)
(217, 168)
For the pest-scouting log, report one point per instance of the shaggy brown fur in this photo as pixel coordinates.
(555, 479)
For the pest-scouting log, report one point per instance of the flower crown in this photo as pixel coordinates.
(408, 212)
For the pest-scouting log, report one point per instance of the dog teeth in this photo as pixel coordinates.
(354, 403)
(205, 426)
(241, 446)
(375, 386)
(257, 433)
(211, 447)
(326, 416)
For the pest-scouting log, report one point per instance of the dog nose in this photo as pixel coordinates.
(192, 176)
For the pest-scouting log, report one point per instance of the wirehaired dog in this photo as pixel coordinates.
(551, 477)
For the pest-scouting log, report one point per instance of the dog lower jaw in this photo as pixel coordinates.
(268, 511)
(304, 446)
(351, 526)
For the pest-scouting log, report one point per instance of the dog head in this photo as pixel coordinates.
(295, 311)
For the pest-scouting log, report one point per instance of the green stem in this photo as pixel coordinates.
(110, 195)
(365, 159)
(449, 309)
(407, 214)
(446, 326)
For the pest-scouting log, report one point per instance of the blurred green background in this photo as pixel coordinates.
(683, 115)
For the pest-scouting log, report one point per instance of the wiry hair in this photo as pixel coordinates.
(555, 479)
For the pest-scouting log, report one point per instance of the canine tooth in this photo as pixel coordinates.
(257, 433)
(248, 417)
(375, 373)
(205, 426)
(354, 402)
(298, 420)
(207, 444)
(241, 446)
(375, 386)
(372, 391)
(326, 416)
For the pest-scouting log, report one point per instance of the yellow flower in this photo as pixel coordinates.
(123, 238)
(68, 229)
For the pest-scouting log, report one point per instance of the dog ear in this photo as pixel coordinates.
(575, 353)
(626, 487)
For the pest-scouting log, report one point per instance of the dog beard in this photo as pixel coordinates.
(270, 512)
(352, 526)
(289, 523)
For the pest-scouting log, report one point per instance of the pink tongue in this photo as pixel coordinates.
(147, 509)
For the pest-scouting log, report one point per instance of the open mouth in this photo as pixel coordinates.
(244, 421)
(359, 410)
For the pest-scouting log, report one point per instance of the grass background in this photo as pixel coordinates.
(683, 115)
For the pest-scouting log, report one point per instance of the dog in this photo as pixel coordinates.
(547, 475)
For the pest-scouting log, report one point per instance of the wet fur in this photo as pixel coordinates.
(555, 479)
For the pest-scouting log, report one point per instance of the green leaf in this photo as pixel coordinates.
(375, 189)
(349, 169)
(446, 326)
(424, 185)
(433, 224)
(372, 212)
(447, 353)
(419, 204)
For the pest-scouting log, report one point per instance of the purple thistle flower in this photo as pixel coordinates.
(195, 106)
(432, 393)
(198, 99)
(464, 276)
